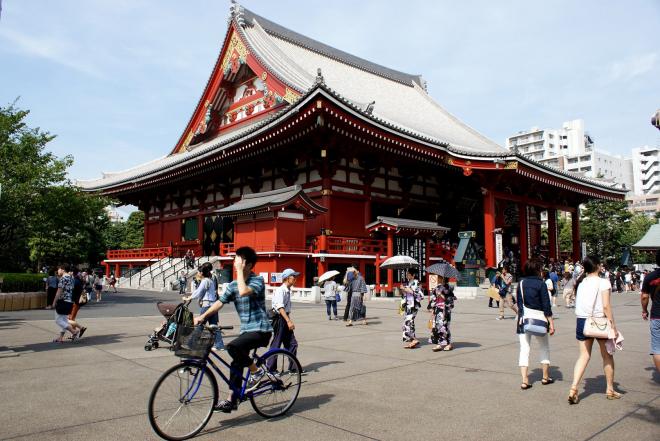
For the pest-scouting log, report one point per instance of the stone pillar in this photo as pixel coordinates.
(489, 226)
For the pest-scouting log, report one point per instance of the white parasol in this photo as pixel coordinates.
(399, 262)
(327, 276)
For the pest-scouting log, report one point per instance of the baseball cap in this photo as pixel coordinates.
(288, 273)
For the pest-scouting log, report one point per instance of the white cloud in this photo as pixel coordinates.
(630, 68)
(57, 50)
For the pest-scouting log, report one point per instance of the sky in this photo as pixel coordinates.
(117, 80)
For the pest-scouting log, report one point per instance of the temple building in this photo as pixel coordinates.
(320, 159)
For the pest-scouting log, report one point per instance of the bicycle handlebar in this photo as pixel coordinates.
(213, 327)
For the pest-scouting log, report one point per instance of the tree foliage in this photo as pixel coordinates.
(126, 235)
(44, 219)
(565, 234)
(608, 226)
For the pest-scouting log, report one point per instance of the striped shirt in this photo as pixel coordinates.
(251, 309)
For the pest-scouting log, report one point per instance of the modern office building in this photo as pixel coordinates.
(571, 148)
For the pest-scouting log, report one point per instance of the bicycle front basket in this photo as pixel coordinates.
(193, 342)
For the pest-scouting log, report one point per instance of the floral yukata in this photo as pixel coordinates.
(440, 304)
(411, 302)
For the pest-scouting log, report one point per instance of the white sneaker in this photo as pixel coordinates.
(255, 380)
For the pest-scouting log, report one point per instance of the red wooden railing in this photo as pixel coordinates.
(140, 253)
(227, 248)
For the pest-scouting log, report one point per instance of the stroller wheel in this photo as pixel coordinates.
(147, 347)
(154, 345)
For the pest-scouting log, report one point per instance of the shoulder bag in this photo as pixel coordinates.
(533, 321)
(597, 327)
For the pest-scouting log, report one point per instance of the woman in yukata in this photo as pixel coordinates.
(412, 296)
(440, 305)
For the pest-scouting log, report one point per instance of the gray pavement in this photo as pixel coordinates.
(360, 382)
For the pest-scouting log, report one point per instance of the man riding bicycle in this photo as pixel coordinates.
(249, 296)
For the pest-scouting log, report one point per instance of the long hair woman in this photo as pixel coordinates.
(592, 299)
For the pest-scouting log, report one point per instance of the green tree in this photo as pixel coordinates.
(638, 225)
(125, 235)
(565, 234)
(43, 218)
(608, 226)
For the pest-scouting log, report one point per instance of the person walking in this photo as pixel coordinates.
(532, 293)
(283, 326)
(568, 290)
(412, 296)
(78, 293)
(207, 293)
(651, 291)
(357, 290)
(51, 288)
(98, 286)
(348, 279)
(113, 282)
(496, 282)
(248, 293)
(592, 300)
(182, 280)
(506, 298)
(330, 293)
(441, 302)
(64, 308)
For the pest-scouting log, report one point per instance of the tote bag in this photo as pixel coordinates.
(534, 321)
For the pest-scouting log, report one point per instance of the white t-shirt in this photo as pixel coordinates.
(628, 278)
(330, 290)
(591, 288)
(282, 298)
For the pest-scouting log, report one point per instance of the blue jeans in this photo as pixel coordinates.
(333, 304)
(213, 320)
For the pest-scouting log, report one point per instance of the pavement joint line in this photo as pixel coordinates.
(617, 421)
(73, 426)
(335, 427)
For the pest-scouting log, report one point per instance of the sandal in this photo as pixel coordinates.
(448, 348)
(437, 348)
(546, 381)
(410, 345)
(349, 324)
(525, 386)
(612, 395)
(573, 396)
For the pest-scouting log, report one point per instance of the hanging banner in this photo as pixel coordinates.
(499, 249)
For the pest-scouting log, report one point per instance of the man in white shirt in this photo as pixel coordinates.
(283, 326)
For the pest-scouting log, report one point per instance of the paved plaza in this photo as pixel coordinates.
(359, 384)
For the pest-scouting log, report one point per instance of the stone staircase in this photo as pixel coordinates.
(162, 275)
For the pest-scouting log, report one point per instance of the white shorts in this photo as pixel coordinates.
(62, 321)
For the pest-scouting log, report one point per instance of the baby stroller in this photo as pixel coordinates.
(177, 316)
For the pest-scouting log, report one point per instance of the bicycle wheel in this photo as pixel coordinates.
(276, 395)
(182, 401)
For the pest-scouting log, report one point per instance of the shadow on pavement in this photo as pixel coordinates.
(92, 340)
(314, 367)
(302, 404)
(649, 414)
(537, 374)
(655, 375)
(465, 344)
(598, 385)
(10, 323)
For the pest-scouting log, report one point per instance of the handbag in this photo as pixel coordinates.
(62, 307)
(534, 321)
(597, 327)
(429, 324)
(494, 293)
(83, 299)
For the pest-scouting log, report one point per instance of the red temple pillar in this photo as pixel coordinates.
(575, 224)
(489, 226)
(107, 269)
(377, 273)
(117, 270)
(524, 227)
(390, 253)
(552, 233)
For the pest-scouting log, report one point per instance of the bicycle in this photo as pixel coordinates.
(189, 390)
